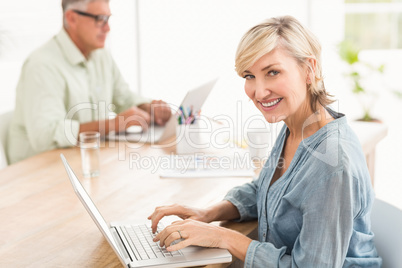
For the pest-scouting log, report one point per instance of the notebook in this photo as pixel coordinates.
(154, 134)
(132, 242)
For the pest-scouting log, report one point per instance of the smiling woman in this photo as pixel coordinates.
(292, 39)
(316, 169)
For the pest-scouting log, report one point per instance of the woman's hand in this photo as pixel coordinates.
(178, 210)
(196, 230)
(191, 232)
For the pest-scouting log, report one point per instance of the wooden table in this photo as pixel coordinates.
(45, 225)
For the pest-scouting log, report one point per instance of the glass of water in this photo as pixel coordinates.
(89, 144)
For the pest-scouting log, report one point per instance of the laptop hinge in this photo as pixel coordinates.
(131, 249)
(123, 243)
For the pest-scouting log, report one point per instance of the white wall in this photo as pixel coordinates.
(122, 39)
(185, 43)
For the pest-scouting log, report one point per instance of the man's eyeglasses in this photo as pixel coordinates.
(100, 20)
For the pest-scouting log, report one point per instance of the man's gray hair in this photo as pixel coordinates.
(75, 4)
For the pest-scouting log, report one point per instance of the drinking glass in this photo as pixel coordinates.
(89, 144)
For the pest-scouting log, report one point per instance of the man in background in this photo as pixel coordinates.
(71, 84)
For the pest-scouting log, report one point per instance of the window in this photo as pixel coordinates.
(374, 24)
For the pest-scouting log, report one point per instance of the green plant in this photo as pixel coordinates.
(360, 73)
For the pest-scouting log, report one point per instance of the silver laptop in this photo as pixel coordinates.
(195, 98)
(132, 242)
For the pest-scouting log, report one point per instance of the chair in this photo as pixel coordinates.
(386, 223)
(5, 120)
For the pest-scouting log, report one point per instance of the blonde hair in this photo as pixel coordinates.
(299, 42)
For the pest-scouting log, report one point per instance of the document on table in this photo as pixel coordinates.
(206, 166)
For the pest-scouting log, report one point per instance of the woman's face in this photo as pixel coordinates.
(277, 85)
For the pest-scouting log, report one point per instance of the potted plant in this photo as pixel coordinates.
(364, 78)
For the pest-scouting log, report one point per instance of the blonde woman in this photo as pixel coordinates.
(313, 209)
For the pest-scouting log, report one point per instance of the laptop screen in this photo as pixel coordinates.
(89, 205)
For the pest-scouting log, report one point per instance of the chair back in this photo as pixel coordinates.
(5, 120)
(386, 224)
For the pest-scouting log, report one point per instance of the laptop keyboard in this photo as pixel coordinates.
(140, 238)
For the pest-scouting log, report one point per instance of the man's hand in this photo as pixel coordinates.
(133, 116)
(159, 110)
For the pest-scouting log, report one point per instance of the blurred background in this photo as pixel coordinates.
(165, 48)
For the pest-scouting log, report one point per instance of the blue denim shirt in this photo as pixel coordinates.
(318, 213)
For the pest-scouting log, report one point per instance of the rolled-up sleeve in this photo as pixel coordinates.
(261, 255)
(244, 198)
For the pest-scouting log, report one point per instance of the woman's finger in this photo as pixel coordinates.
(177, 210)
(161, 212)
(163, 235)
(175, 235)
(180, 245)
